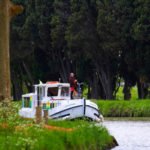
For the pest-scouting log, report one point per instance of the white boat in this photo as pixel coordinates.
(55, 97)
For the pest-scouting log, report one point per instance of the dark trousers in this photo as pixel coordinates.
(71, 94)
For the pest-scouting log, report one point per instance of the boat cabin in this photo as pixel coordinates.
(46, 94)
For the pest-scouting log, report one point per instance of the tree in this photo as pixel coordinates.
(140, 33)
(92, 32)
(58, 27)
(124, 12)
(7, 10)
(30, 45)
(100, 41)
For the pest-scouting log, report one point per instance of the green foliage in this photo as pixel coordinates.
(134, 93)
(100, 41)
(9, 114)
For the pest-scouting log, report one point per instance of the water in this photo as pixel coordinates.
(130, 135)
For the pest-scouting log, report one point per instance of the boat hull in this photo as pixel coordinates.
(77, 109)
(71, 109)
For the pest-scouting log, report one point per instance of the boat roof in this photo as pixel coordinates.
(52, 84)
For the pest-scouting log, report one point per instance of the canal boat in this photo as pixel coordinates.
(55, 97)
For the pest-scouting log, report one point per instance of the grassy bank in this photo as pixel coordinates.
(17, 133)
(120, 108)
(127, 119)
(83, 137)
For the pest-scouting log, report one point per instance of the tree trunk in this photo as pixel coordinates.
(28, 73)
(17, 86)
(7, 10)
(116, 84)
(29, 81)
(142, 89)
(63, 71)
(5, 89)
(89, 91)
(94, 92)
(16, 91)
(28, 85)
(126, 91)
(106, 82)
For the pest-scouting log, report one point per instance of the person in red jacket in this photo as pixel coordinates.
(73, 84)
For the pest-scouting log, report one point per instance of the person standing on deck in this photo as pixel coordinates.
(73, 84)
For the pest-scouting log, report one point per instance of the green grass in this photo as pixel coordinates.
(23, 134)
(120, 108)
(84, 137)
(128, 119)
(85, 91)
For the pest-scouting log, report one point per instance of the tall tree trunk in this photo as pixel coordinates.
(142, 89)
(16, 85)
(29, 81)
(126, 91)
(94, 92)
(28, 73)
(5, 89)
(89, 91)
(63, 71)
(106, 82)
(7, 10)
(16, 91)
(116, 87)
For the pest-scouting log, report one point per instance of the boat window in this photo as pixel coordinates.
(64, 91)
(27, 102)
(52, 91)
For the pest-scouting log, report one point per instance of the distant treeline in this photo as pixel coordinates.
(102, 41)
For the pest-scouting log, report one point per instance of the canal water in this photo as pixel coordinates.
(130, 135)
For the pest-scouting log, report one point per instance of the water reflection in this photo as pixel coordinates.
(131, 135)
